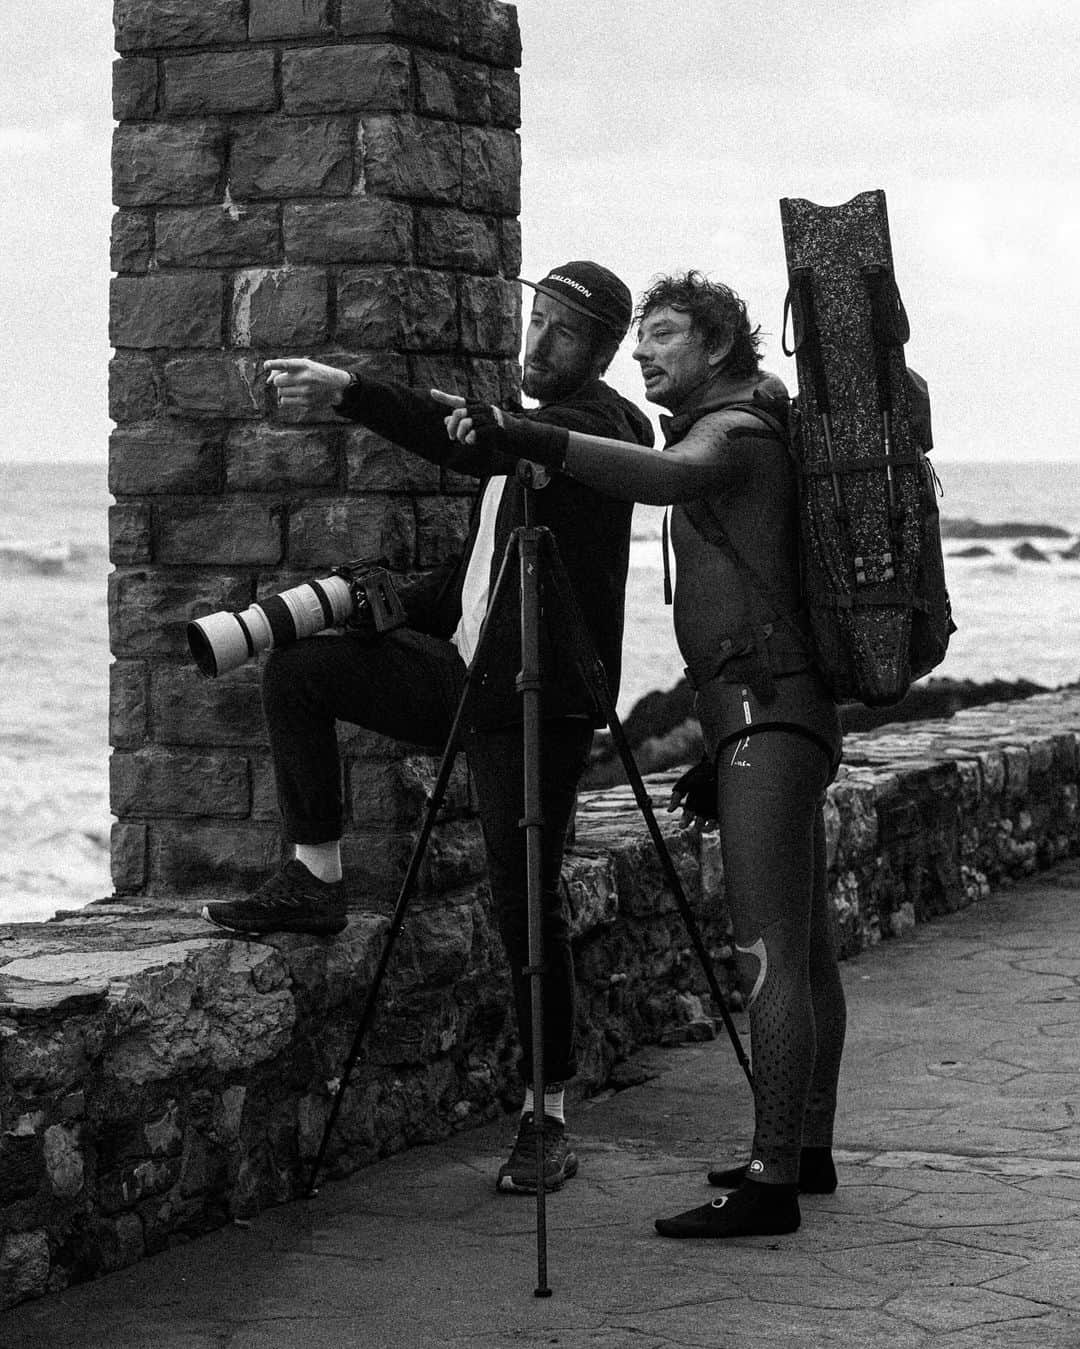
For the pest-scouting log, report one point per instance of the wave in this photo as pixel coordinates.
(647, 523)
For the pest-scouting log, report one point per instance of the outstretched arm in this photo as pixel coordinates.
(405, 416)
(703, 463)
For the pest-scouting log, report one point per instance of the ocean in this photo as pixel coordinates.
(1017, 618)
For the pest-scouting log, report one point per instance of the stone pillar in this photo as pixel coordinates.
(333, 178)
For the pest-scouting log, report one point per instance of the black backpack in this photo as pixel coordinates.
(876, 608)
(873, 575)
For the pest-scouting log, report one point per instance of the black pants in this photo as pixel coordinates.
(408, 685)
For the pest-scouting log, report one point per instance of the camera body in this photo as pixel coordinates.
(357, 594)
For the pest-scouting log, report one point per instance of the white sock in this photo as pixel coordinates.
(554, 1102)
(323, 860)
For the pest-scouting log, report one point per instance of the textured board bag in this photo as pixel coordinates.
(873, 574)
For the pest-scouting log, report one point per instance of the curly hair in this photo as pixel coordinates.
(716, 312)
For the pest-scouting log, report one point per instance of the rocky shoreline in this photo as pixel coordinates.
(664, 733)
(1024, 550)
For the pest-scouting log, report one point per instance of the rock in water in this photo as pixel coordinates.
(1027, 552)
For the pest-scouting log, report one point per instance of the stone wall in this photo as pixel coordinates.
(158, 1079)
(335, 178)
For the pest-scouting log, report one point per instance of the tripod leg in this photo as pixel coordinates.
(593, 670)
(397, 922)
(408, 884)
(528, 685)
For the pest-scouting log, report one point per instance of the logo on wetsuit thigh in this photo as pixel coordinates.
(756, 1168)
(742, 749)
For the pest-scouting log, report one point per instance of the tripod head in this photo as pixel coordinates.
(532, 475)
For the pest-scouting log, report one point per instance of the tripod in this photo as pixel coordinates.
(537, 554)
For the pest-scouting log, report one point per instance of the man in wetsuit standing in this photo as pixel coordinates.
(408, 683)
(772, 732)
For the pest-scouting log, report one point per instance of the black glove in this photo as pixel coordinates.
(520, 437)
(695, 791)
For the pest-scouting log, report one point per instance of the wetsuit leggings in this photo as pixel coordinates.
(772, 833)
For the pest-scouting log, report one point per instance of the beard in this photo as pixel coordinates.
(540, 383)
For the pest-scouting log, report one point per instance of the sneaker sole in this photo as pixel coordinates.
(506, 1184)
(330, 929)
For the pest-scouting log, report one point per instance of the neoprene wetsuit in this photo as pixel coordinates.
(771, 726)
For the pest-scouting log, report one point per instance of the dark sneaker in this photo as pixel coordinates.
(518, 1174)
(292, 901)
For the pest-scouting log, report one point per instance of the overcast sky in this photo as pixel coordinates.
(660, 136)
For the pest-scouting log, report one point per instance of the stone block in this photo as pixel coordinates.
(409, 156)
(407, 307)
(127, 856)
(374, 861)
(22, 1166)
(220, 385)
(858, 822)
(394, 792)
(129, 245)
(262, 458)
(219, 82)
(220, 856)
(292, 157)
(1065, 755)
(165, 455)
(264, 801)
(455, 857)
(222, 235)
(434, 22)
(190, 709)
(970, 775)
(438, 943)
(219, 533)
(163, 781)
(289, 18)
(454, 89)
(495, 381)
(165, 310)
(324, 532)
(992, 762)
(134, 88)
(489, 32)
(418, 1028)
(490, 170)
(281, 307)
(130, 533)
(170, 163)
(1017, 771)
(505, 98)
(490, 315)
(64, 1161)
(134, 389)
(178, 23)
(442, 525)
(510, 239)
(437, 370)
(357, 229)
(373, 464)
(1040, 751)
(455, 239)
(149, 610)
(24, 1266)
(368, 78)
(128, 705)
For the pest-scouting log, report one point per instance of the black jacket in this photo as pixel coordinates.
(592, 532)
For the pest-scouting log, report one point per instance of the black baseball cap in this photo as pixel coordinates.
(591, 290)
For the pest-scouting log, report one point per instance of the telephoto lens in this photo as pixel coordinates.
(220, 642)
